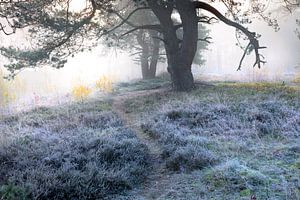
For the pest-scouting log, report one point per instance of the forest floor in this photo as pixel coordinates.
(220, 141)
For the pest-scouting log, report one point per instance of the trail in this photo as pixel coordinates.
(155, 185)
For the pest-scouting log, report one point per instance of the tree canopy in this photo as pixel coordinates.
(59, 31)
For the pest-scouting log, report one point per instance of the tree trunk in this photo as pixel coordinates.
(180, 71)
(182, 77)
(154, 54)
(150, 54)
(180, 54)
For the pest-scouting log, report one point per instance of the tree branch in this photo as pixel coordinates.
(126, 20)
(155, 27)
(206, 39)
(251, 35)
(243, 57)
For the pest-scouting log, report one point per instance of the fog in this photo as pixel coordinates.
(282, 53)
(222, 59)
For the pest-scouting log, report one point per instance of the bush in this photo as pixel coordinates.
(232, 176)
(74, 167)
(182, 150)
(190, 157)
(183, 129)
(268, 118)
(12, 192)
(69, 153)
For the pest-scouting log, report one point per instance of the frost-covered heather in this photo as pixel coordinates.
(79, 152)
(267, 118)
(244, 146)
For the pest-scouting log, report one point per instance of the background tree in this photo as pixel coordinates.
(298, 31)
(144, 46)
(59, 32)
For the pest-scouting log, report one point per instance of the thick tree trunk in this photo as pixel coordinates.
(182, 78)
(180, 71)
(180, 54)
(182, 74)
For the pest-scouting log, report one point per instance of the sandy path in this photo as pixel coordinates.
(154, 186)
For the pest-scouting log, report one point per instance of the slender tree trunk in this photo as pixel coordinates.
(154, 54)
(149, 56)
(145, 67)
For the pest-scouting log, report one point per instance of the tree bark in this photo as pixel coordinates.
(180, 54)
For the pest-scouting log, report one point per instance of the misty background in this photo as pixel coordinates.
(222, 59)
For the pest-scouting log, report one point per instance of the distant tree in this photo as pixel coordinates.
(144, 45)
(59, 32)
(298, 31)
(149, 54)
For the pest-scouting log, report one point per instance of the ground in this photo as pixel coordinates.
(220, 141)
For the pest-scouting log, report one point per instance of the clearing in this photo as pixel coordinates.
(220, 141)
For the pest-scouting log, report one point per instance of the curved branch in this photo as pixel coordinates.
(125, 20)
(243, 57)
(2, 28)
(204, 19)
(206, 39)
(155, 27)
(251, 35)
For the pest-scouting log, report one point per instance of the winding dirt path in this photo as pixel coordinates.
(154, 186)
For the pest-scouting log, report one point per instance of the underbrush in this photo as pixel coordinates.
(234, 176)
(78, 152)
(243, 139)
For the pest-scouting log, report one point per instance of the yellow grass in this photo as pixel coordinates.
(105, 84)
(81, 92)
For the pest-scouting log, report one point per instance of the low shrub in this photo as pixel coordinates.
(181, 150)
(190, 157)
(233, 176)
(69, 153)
(12, 192)
(181, 128)
(74, 167)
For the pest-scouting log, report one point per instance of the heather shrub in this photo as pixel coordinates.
(183, 129)
(102, 120)
(190, 157)
(265, 118)
(69, 153)
(234, 176)
(94, 115)
(12, 192)
(181, 150)
(74, 167)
